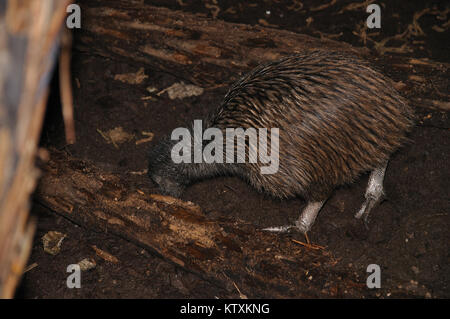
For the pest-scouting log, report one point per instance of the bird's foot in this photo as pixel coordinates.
(280, 229)
(298, 226)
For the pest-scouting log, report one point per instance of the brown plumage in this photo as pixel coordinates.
(338, 118)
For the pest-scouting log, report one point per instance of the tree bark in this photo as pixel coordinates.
(227, 253)
(29, 32)
(203, 51)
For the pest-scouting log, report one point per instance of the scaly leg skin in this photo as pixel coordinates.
(374, 193)
(308, 216)
(304, 222)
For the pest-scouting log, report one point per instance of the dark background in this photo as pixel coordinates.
(408, 235)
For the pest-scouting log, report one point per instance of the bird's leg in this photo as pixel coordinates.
(374, 192)
(304, 222)
(308, 216)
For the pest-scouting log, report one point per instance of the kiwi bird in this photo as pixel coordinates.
(337, 118)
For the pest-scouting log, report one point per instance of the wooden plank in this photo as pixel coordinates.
(29, 32)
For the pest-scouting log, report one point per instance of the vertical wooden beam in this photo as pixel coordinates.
(29, 41)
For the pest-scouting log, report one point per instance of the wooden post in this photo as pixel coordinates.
(29, 33)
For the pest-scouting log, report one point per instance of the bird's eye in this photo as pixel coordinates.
(157, 179)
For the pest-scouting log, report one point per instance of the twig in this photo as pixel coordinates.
(30, 267)
(66, 87)
(311, 246)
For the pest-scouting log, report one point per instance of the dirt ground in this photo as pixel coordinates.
(408, 234)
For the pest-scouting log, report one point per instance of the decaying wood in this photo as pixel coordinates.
(28, 41)
(203, 51)
(210, 52)
(224, 252)
(65, 85)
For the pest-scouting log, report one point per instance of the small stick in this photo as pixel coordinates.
(66, 87)
(312, 246)
(29, 267)
(241, 295)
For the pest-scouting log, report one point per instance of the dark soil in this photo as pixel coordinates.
(408, 234)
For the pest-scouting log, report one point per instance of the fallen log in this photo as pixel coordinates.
(203, 51)
(210, 52)
(225, 252)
